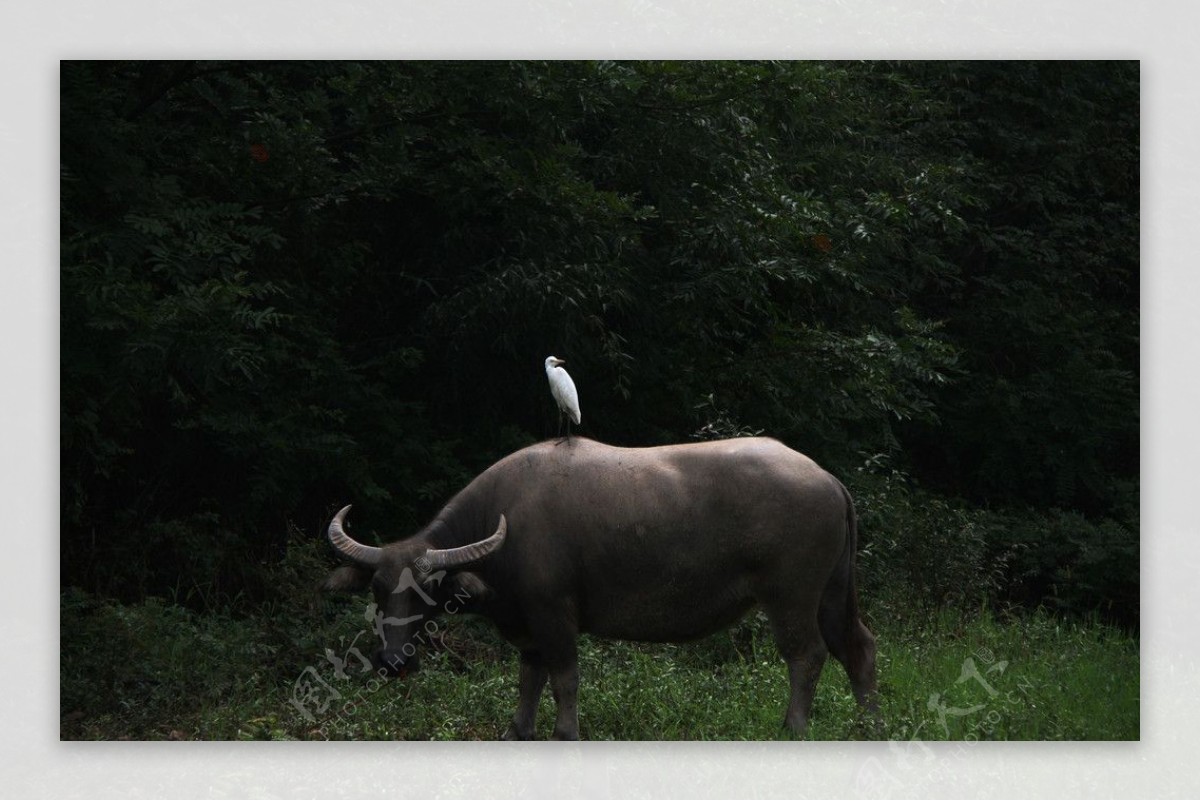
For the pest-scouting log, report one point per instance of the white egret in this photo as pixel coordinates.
(563, 390)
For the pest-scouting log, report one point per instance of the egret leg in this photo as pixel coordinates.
(566, 439)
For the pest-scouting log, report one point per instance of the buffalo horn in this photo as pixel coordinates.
(454, 557)
(364, 555)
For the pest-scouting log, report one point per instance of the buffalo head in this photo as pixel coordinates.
(412, 583)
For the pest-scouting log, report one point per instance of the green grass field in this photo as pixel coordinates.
(157, 671)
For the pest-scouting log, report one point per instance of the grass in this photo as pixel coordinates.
(158, 671)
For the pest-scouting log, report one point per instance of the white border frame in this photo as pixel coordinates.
(36, 36)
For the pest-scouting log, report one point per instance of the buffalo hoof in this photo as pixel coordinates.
(513, 733)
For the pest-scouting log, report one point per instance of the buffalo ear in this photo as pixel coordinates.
(470, 583)
(347, 578)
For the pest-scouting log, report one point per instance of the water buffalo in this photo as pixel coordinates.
(653, 544)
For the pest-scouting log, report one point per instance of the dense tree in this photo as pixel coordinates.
(1045, 303)
(290, 285)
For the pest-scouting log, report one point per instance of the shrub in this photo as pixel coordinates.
(918, 551)
(1072, 564)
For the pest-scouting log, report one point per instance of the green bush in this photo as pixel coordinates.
(918, 551)
(1070, 563)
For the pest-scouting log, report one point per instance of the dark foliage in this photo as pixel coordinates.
(289, 286)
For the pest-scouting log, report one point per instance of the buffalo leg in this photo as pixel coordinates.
(557, 649)
(804, 651)
(804, 670)
(859, 661)
(564, 683)
(532, 681)
(852, 644)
